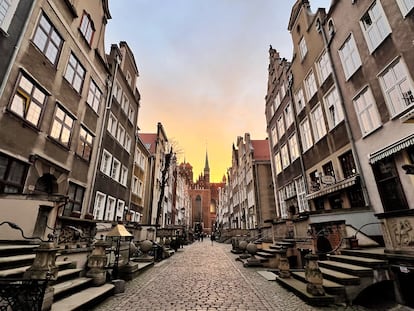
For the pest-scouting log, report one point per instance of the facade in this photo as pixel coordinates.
(52, 111)
(115, 167)
(160, 156)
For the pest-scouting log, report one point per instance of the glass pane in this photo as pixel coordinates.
(33, 114)
(56, 129)
(65, 136)
(79, 194)
(40, 39)
(44, 23)
(26, 85)
(39, 95)
(18, 105)
(3, 166)
(16, 173)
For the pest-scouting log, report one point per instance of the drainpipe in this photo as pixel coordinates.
(321, 30)
(108, 105)
(16, 49)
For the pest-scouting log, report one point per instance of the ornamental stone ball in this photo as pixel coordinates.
(243, 245)
(146, 246)
(251, 248)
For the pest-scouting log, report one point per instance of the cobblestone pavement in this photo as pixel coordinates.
(205, 277)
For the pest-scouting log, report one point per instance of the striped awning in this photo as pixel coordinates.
(391, 149)
(334, 188)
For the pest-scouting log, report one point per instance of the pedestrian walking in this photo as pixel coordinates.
(212, 238)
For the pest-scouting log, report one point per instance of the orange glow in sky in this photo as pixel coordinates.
(203, 69)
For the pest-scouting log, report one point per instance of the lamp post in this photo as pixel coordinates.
(117, 233)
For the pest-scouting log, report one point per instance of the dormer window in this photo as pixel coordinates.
(87, 28)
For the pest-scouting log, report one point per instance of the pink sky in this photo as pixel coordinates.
(203, 69)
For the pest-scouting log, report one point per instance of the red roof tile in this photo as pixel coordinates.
(261, 149)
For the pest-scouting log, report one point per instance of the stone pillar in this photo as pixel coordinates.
(44, 267)
(284, 267)
(97, 262)
(313, 276)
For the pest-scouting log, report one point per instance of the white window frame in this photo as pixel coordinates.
(318, 123)
(405, 6)
(106, 163)
(310, 85)
(376, 32)
(306, 134)
(278, 163)
(350, 58)
(112, 124)
(134, 185)
(99, 206)
(128, 143)
(120, 208)
(303, 49)
(94, 96)
(281, 126)
(300, 100)
(274, 135)
(284, 153)
(115, 169)
(288, 115)
(62, 126)
(293, 147)
(324, 67)
(131, 114)
(397, 87)
(87, 28)
(123, 176)
(110, 208)
(7, 9)
(75, 73)
(333, 108)
(120, 134)
(366, 111)
(303, 205)
(277, 101)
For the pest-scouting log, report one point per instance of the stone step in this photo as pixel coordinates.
(16, 260)
(18, 271)
(265, 255)
(376, 252)
(86, 297)
(270, 276)
(360, 261)
(14, 249)
(270, 250)
(346, 268)
(67, 274)
(330, 287)
(340, 277)
(63, 288)
(299, 288)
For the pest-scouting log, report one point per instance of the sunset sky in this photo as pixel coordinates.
(203, 69)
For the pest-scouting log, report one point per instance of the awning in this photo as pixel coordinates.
(391, 149)
(334, 188)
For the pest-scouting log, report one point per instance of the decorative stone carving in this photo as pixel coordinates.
(313, 276)
(402, 231)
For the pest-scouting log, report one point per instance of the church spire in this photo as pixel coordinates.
(206, 170)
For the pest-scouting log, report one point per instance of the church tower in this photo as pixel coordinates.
(206, 171)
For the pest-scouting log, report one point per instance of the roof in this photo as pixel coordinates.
(149, 140)
(261, 149)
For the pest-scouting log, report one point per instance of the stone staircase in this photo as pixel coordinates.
(72, 291)
(345, 276)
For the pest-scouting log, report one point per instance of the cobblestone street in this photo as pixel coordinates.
(204, 277)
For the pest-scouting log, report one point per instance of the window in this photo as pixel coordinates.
(280, 126)
(120, 210)
(74, 200)
(328, 169)
(87, 28)
(117, 92)
(120, 135)
(75, 73)
(7, 9)
(106, 163)
(116, 169)
(300, 100)
(62, 126)
(140, 188)
(99, 208)
(375, 26)
(347, 164)
(125, 104)
(397, 87)
(389, 185)
(282, 203)
(367, 112)
(293, 146)
(28, 100)
(274, 135)
(124, 175)
(127, 144)
(301, 193)
(318, 123)
(134, 186)
(112, 124)
(333, 108)
(324, 67)
(277, 101)
(310, 85)
(278, 165)
(131, 114)
(12, 175)
(288, 115)
(405, 6)
(47, 39)
(305, 134)
(94, 96)
(85, 144)
(350, 58)
(303, 48)
(110, 208)
(285, 156)
(128, 77)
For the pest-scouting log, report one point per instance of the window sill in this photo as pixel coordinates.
(372, 132)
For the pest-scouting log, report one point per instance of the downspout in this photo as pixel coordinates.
(108, 105)
(16, 49)
(321, 30)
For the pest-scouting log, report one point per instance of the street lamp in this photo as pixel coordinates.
(116, 234)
